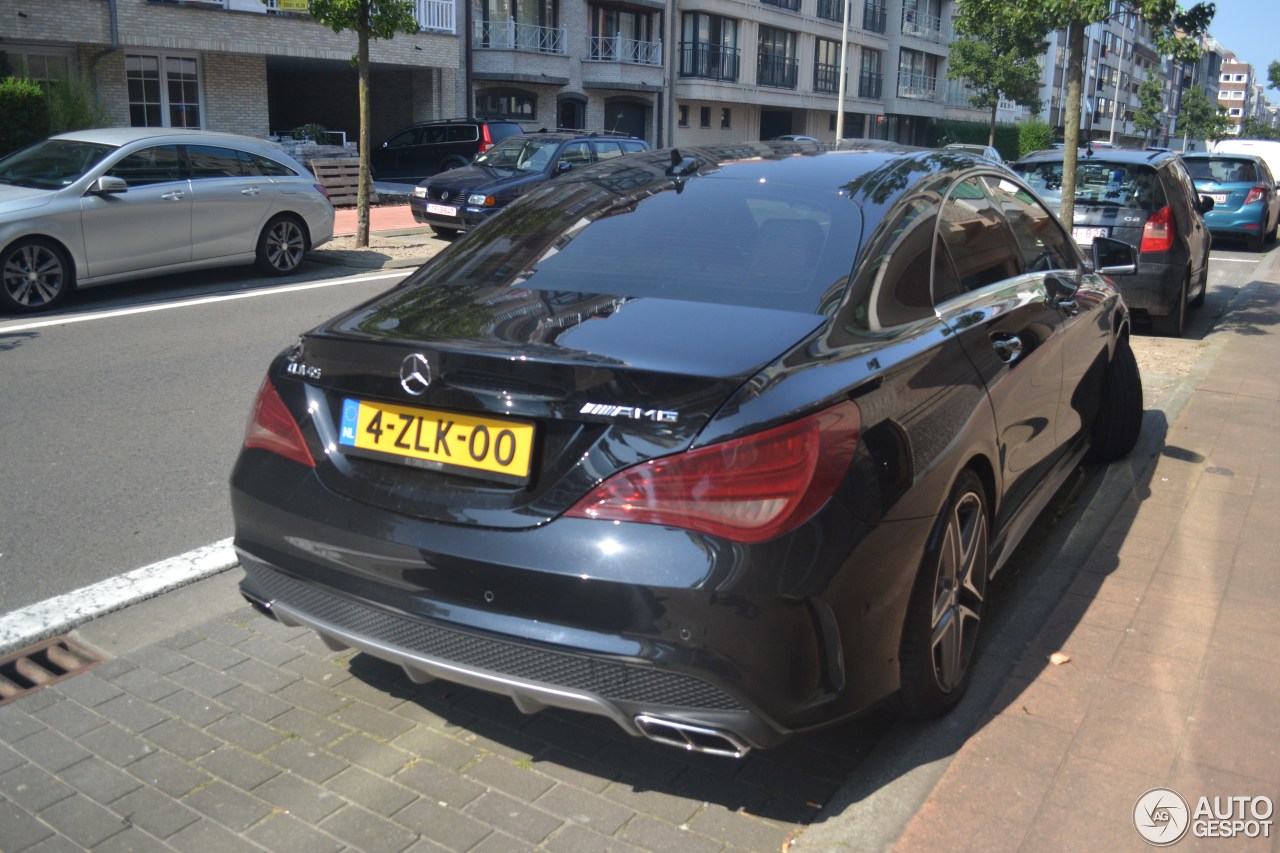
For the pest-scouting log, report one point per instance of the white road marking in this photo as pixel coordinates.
(203, 300)
(57, 615)
(1232, 260)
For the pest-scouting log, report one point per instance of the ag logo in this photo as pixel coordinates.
(1161, 817)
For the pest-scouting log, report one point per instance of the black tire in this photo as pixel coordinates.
(282, 245)
(1172, 325)
(35, 275)
(1119, 419)
(940, 634)
(446, 233)
(1256, 242)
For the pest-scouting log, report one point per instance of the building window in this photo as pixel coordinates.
(532, 25)
(1225, 78)
(684, 115)
(709, 47)
(1235, 112)
(164, 91)
(826, 66)
(704, 117)
(44, 68)
(621, 35)
(726, 116)
(1237, 96)
(776, 62)
(517, 106)
(871, 77)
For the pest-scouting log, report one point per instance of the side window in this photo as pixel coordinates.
(607, 149)
(576, 154)
(892, 287)
(265, 166)
(632, 146)
(149, 166)
(461, 133)
(1180, 175)
(213, 161)
(1041, 240)
(431, 136)
(977, 238)
(403, 139)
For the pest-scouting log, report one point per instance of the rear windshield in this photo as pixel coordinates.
(1097, 183)
(717, 239)
(1223, 170)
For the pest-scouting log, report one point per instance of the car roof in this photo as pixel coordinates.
(127, 135)
(1106, 155)
(1222, 155)
(568, 135)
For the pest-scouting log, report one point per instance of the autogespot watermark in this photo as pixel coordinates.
(1162, 817)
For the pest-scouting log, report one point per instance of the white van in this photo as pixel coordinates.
(1267, 149)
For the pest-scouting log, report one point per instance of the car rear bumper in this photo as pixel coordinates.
(1156, 288)
(1248, 221)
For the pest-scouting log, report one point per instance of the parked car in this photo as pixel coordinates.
(1147, 199)
(722, 444)
(795, 137)
(1246, 205)
(420, 151)
(1267, 149)
(98, 206)
(979, 150)
(463, 198)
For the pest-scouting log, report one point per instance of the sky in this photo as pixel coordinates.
(1248, 29)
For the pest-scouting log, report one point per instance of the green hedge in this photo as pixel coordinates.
(24, 114)
(945, 131)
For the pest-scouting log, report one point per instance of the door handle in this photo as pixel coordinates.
(1008, 347)
(173, 195)
(250, 191)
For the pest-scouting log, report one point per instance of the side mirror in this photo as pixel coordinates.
(1206, 204)
(1114, 257)
(564, 166)
(107, 185)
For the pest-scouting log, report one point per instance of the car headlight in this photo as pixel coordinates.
(419, 192)
(480, 200)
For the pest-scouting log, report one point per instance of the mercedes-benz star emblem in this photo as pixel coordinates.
(415, 374)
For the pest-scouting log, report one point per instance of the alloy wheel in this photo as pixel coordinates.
(959, 591)
(33, 275)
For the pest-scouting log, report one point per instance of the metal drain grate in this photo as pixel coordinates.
(43, 664)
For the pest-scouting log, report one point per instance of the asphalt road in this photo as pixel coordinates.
(121, 424)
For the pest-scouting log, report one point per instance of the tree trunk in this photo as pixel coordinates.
(1071, 120)
(362, 192)
(991, 131)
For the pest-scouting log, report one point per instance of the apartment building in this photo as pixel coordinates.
(756, 69)
(243, 66)
(1235, 91)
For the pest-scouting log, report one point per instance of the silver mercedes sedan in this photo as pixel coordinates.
(98, 206)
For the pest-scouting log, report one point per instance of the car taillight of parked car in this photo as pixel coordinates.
(272, 427)
(1255, 194)
(1157, 234)
(320, 188)
(486, 141)
(748, 489)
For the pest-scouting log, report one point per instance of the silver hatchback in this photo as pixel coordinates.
(98, 206)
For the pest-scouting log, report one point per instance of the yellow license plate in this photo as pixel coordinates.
(444, 441)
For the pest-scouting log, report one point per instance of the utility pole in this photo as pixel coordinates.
(840, 87)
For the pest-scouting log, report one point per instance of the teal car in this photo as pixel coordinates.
(1246, 205)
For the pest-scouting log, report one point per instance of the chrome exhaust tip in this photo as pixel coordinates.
(258, 604)
(694, 738)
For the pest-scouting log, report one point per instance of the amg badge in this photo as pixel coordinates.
(637, 413)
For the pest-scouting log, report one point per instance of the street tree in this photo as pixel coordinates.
(1201, 118)
(1273, 74)
(1253, 127)
(1146, 118)
(996, 60)
(369, 19)
(1175, 32)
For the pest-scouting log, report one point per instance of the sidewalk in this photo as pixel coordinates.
(382, 217)
(1173, 636)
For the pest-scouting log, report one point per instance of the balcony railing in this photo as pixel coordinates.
(779, 72)
(438, 15)
(789, 5)
(831, 10)
(826, 78)
(617, 49)
(871, 86)
(917, 86)
(709, 61)
(875, 17)
(508, 35)
(921, 25)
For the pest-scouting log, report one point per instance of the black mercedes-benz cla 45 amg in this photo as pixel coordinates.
(720, 443)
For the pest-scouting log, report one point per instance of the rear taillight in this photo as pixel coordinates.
(324, 192)
(747, 490)
(1157, 234)
(1255, 194)
(273, 428)
(486, 141)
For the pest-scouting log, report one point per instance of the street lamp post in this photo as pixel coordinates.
(840, 86)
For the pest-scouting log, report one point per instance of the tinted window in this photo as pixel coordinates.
(608, 148)
(213, 161)
(403, 139)
(977, 239)
(461, 133)
(720, 240)
(1223, 170)
(265, 166)
(149, 166)
(576, 154)
(1097, 182)
(1040, 239)
(631, 146)
(893, 286)
(501, 130)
